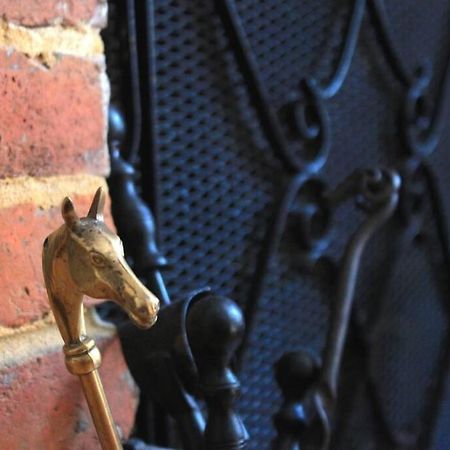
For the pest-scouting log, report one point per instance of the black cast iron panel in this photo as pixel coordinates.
(220, 180)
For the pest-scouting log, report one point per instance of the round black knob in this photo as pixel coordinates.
(214, 328)
(116, 123)
(295, 372)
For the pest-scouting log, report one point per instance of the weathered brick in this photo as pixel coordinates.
(24, 228)
(52, 120)
(48, 12)
(42, 406)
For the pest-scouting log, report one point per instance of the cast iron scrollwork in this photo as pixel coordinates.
(310, 388)
(306, 114)
(301, 137)
(311, 218)
(306, 118)
(423, 124)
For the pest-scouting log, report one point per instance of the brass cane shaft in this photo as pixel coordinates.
(100, 411)
(83, 358)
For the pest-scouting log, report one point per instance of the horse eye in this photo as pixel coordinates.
(98, 259)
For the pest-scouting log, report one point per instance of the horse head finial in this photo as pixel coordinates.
(84, 257)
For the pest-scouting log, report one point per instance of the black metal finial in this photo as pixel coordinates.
(295, 372)
(117, 129)
(214, 328)
(133, 218)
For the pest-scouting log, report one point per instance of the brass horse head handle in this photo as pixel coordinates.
(84, 257)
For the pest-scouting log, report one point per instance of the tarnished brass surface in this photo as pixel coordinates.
(84, 257)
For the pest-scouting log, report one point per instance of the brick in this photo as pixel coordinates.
(24, 228)
(42, 406)
(52, 120)
(48, 12)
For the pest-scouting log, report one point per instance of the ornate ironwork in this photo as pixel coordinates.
(300, 134)
(312, 407)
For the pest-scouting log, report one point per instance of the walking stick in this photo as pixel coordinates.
(84, 257)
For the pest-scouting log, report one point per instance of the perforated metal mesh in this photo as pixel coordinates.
(219, 180)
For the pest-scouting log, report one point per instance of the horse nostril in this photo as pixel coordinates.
(144, 316)
(143, 311)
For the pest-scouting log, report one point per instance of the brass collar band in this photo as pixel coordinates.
(82, 357)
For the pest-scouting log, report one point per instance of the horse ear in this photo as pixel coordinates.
(68, 212)
(98, 204)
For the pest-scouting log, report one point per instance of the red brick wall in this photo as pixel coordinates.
(53, 98)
